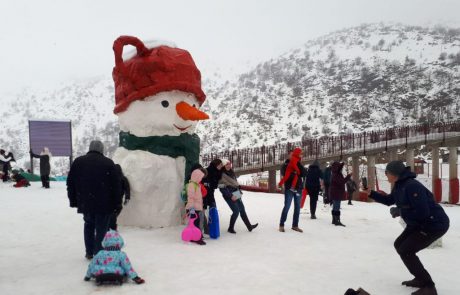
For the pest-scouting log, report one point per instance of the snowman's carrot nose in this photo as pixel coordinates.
(187, 112)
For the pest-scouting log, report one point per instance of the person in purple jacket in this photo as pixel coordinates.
(337, 190)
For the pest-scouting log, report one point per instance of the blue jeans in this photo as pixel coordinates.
(288, 196)
(237, 208)
(96, 225)
(336, 205)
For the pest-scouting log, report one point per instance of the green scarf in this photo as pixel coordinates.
(184, 145)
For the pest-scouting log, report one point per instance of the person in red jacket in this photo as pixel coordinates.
(292, 172)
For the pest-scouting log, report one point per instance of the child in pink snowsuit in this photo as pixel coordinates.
(195, 198)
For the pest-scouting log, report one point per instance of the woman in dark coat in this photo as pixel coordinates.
(229, 187)
(211, 181)
(45, 167)
(313, 185)
(337, 190)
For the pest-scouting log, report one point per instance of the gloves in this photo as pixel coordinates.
(87, 279)
(138, 280)
(395, 212)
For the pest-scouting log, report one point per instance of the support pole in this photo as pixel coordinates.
(355, 177)
(436, 181)
(272, 181)
(453, 175)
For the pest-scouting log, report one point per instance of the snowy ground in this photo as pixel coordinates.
(41, 251)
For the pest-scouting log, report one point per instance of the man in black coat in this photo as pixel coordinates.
(94, 187)
(426, 222)
(313, 185)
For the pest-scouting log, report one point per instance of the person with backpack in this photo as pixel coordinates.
(326, 183)
(337, 190)
(313, 185)
(351, 188)
(292, 173)
(195, 199)
(426, 221)
(230, 189)
(125, 191)
(111, 264)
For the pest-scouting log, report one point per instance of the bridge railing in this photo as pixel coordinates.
(333, 146)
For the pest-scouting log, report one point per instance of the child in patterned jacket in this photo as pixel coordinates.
(110, 263)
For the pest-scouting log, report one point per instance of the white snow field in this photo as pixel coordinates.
(41, 251)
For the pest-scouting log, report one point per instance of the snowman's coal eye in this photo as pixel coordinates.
(165, 103)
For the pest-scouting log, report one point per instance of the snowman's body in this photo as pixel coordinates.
(155, 183)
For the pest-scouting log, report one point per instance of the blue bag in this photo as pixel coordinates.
(213, 223)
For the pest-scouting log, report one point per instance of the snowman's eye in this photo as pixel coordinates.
(165, 103)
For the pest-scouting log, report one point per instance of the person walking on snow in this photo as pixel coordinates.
(337, 190)
(292, 172)
(112, 264)
(94, 187)
(126, 191)
(45, 168)
(351, 188)
(313, 185)
(426, 222)
(230, 189)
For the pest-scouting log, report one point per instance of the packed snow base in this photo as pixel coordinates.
(42, 251)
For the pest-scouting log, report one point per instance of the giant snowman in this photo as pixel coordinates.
(158, 94)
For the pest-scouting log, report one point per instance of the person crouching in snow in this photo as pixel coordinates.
(20, 180)
(195, 198)
(112, 264)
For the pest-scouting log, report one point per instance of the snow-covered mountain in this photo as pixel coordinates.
(366, 77)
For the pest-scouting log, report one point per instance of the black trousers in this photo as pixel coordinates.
(409, 243)
(313, 192)
(45, 180)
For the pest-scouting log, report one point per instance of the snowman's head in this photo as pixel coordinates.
(166, 113)
(157, 90)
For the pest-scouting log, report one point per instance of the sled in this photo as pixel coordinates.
(191, 232)
(110, 279)
(213, 223)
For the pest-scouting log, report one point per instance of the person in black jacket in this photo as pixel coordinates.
(126, 191)
(211, 182)
(45, 168)
(5, 165)
(94, 187)
(313, 185)
(426, 221)
(292, 173)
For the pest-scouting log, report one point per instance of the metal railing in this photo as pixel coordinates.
(336, 146)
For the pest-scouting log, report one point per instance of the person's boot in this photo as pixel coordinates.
(313, 216)
(281, 229)
(337, 222)
(334, 219)
(427, 290)
(349, 203)
(297, 229)
(231, 227)
(416, 283)
(248, 223)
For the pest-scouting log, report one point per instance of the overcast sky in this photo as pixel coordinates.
(49, 41)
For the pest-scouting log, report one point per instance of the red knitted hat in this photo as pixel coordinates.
(152, 71)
